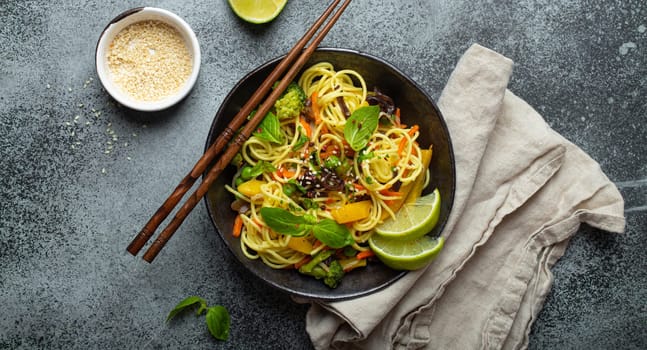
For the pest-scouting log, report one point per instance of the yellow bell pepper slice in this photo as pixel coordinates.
(251, 187)
(352, 212)
(300, 244)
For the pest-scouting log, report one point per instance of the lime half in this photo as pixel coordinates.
(413, 220)
(257, 11)
(406, 255)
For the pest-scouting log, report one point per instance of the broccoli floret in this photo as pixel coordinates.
(291, 102)
(320, 257)
(334, 275)
(331, 274)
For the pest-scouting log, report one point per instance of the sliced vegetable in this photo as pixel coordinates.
(365, 254)
(251, 187)
(350, 264)
(300, 244)
(418, 183)
(411, 191)
(352, 212)
(238, 226)
(315, 107)
(306, 126)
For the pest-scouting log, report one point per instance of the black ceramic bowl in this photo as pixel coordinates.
(416, 108)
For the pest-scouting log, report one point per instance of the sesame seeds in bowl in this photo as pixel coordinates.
(148, 59)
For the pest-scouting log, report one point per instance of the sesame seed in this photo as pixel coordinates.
(149, 60)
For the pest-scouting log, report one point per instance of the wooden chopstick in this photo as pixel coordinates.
(223, 139)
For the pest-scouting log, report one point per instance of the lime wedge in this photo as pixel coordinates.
(257, 11)
(413, 220)
(406, 255)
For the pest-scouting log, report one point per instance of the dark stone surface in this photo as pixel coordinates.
(70, 202)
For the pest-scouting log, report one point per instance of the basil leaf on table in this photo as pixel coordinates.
(332, 234)
(270, 129)
(284, 222)
(218, 322)
(360, 126)
(185, 304)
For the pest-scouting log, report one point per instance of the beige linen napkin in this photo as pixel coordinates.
(522, 192)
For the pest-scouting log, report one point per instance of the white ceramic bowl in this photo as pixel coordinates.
(137, 15)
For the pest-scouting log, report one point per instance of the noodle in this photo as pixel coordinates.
(390, 160)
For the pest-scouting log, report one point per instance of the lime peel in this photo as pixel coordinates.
(413, 220)
(257, 11)
(406, 255)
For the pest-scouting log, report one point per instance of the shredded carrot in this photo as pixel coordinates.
(390, 193)
(330, 150)
(413, 130)
(397, 117)
(305, 153)
(257, 222)
(238, 226)
(278, 173)
(285, 173)
(401, 146)
(365, 254)
(315, 107)
(306, 126)
(302, 262)
(359, 187)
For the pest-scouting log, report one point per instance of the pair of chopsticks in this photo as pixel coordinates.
(295, 59)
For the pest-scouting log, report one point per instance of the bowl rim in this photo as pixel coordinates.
(115, 25)
(211, 136)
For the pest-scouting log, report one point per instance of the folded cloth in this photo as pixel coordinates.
(522, 191)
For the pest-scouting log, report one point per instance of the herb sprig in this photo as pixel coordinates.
(361, 125)
(270, 129)
(328, 231)
(217, 318)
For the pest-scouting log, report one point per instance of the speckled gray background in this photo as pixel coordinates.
(70, 202)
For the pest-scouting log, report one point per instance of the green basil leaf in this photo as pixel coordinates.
(270, 129)
(185, 304)
(218, 322)
(260, 168)
(332, 234)
(284, 222)
(303, 139)
(298, 186)
(361, 125)
(363, 155)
